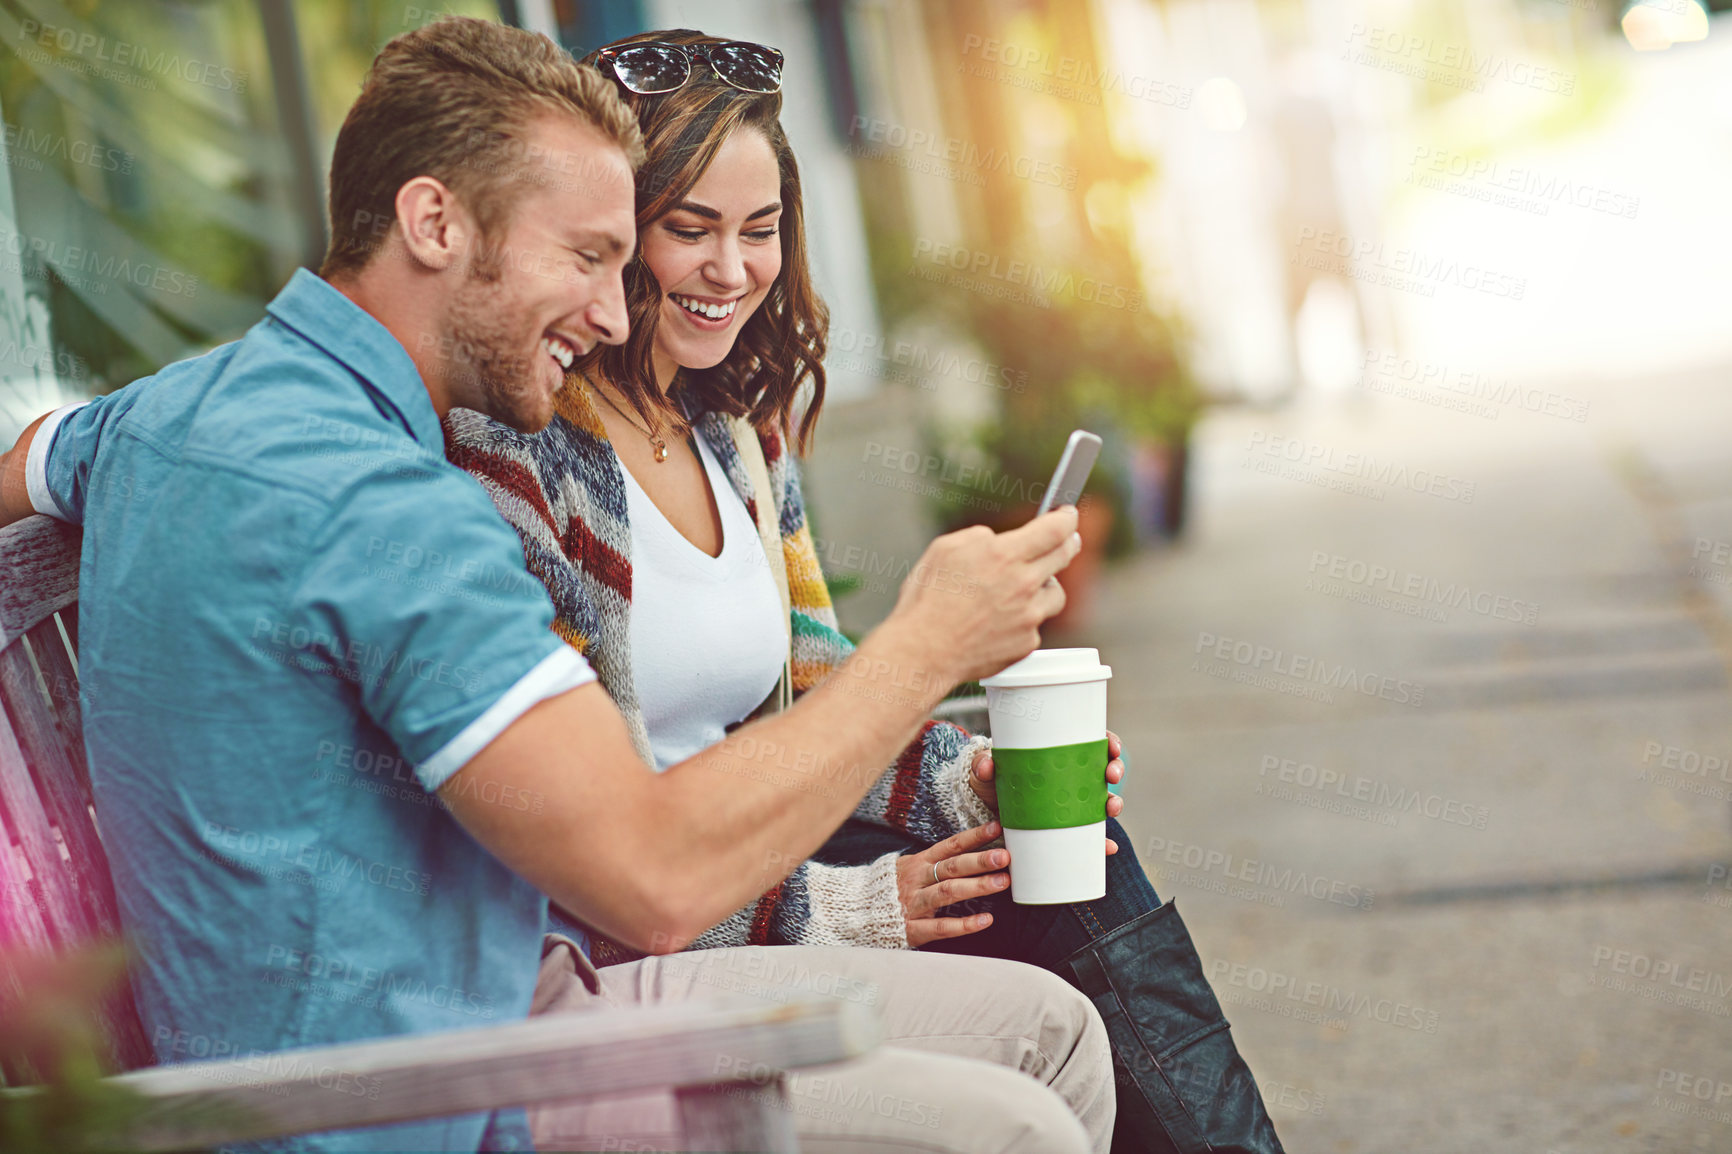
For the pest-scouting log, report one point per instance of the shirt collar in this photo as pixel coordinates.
(351, 336)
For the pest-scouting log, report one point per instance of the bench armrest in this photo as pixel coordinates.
(548, 1058)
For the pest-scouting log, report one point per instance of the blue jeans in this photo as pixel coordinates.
(1039, 935)
(1181, 1085)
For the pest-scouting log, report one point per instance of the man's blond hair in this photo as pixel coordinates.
(455, 101)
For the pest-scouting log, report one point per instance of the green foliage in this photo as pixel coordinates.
(49, 1028)
(1115, 371)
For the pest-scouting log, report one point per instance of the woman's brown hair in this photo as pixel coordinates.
(783, 343)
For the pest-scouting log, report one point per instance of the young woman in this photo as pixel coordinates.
(639, 511)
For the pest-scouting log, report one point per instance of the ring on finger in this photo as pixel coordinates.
(935, 878)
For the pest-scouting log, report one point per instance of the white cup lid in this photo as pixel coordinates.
(1051, 667)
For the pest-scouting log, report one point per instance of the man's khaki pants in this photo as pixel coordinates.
(979, 1054)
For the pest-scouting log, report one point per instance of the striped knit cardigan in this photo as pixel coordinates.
(563, 491)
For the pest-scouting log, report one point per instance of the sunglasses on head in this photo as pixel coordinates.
(656, 66)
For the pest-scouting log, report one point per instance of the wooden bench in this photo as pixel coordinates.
(56, 895)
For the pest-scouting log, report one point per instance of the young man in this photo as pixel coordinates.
(340, 759)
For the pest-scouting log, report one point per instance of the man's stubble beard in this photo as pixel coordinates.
(485, 357)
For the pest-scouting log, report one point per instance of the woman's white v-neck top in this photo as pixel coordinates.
(707, 636)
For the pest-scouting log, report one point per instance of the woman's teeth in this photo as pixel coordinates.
(559, 351)
(714, 312)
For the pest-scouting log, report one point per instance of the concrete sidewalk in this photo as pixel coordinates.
(1432, 750)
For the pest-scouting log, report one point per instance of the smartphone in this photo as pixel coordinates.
(1072, 473)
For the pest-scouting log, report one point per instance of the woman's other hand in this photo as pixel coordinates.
(980, 780)
(963, 872)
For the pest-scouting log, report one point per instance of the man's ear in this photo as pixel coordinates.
(436, 227)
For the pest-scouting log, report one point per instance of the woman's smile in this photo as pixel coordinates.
(709, 314)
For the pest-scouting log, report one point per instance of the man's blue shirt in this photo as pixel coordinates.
(296, 621)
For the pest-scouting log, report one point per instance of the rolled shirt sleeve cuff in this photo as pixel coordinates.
(559, 671)
(36, 461)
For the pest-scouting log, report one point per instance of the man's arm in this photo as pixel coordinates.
(654, 860)
(14, 485)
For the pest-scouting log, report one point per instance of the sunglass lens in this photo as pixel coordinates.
(748, 66)
(651, 68)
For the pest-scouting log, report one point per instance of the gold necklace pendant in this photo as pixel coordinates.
(659, 445)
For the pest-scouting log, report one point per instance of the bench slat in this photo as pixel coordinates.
(58, 665)
(47, 731)
(29, 825)
(50, 775)
(39, 557)
(544, 1059)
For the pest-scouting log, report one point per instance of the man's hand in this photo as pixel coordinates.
(981, 781)
(975, 602)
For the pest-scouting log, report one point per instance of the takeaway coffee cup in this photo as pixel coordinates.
(1049, 750)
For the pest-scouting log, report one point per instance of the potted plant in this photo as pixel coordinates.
(1115, 371)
